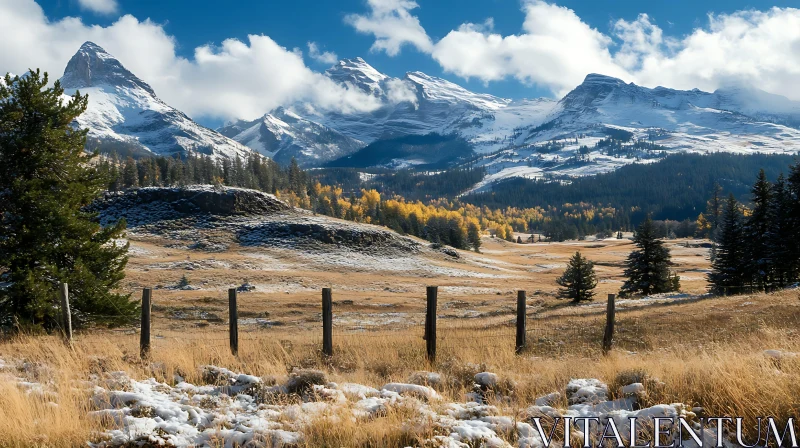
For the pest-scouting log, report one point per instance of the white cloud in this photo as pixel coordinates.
(100, 6)
(556, 49)
(326, 57)
(235, 80)
(399, 91)
(393, 26)
(758, 48)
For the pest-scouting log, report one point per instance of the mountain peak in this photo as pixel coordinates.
(91, 47)
(596, 78)
(93, 66)
(357, 72)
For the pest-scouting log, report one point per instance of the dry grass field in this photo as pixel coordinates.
(374, 291)
(693, 349)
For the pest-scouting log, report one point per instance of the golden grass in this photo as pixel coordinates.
(705, 353)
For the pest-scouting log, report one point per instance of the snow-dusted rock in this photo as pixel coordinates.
(412, 390)
(549, 399)
(486, 379)
(586, 391)
(422, 378)
(633, 390)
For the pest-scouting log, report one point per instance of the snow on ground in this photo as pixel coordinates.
(243, 410)
(235, 409)
(411, 265)
(651, 299)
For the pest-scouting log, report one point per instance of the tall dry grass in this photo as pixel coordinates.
(688, 353)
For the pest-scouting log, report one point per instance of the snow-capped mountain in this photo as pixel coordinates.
(284, 135)
(537, 137)
(415, 104)
(126, 116)
(358, 73)
(654, 122)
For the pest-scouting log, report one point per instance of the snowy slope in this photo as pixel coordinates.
(284, 135)
(677, 121)
(125, 115)
(415, 104)
(516, 136)
(358, 73)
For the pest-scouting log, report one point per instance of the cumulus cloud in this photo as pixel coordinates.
(323, 57)
(758, 48)
(400, 91)
(393, 26)
(99, 6)
(557, 49)
(233, 80)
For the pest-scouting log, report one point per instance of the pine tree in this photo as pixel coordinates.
(779, 236)
(473, 236)
(729, 268)
(296, 177)
(647, 269)
(756, 228)
(714, 211)
(46, 237)
(579, 279)
(130, 174)
(793, 243)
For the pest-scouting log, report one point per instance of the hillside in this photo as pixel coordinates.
(675, 188)
(213, 219)
(431, 151)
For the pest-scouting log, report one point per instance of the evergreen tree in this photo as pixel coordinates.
(296, 177)
(714, 210)
(729, 268)
(130, 174)
(473, 236)
(779, 237)
(757, 226)
(579, 280)
(793, 221)
(46, 237)
(647, 269)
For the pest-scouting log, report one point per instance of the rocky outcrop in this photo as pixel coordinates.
(148, 205)
(211, 218)
(321, 233)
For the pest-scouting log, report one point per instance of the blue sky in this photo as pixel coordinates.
(296, 22)
(220, 62)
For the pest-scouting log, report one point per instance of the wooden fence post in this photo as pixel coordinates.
(608, 337)
(522, 317)
(233, 321)
(430, 323)
(144, 339)
(327, 322)
(65, 313)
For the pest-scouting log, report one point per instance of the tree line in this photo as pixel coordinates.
(254, 172)
(675, 188)
(757, 248)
